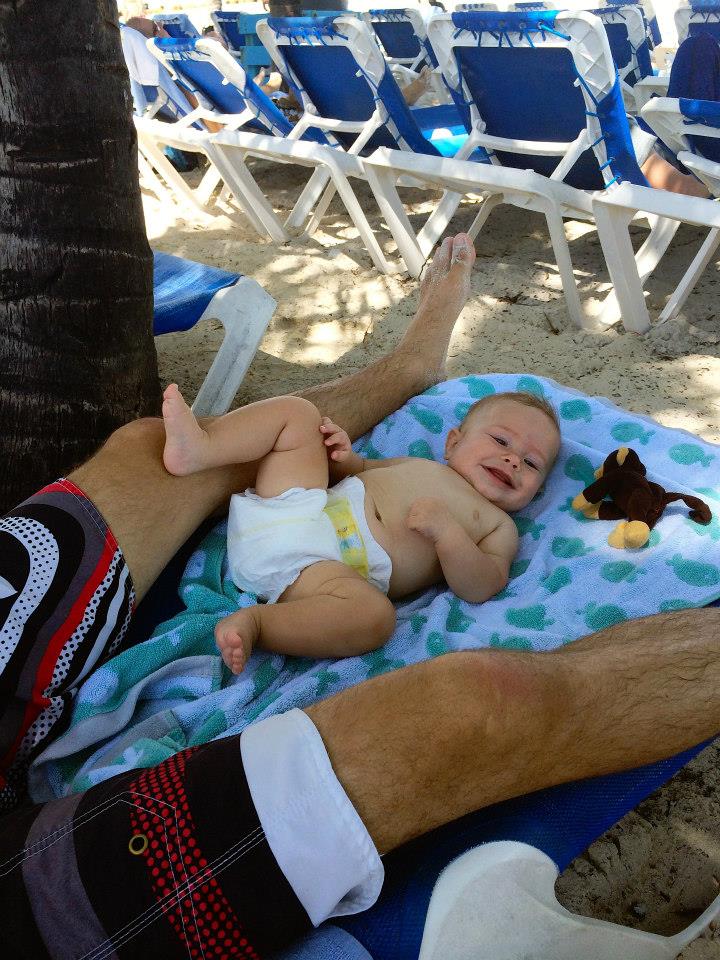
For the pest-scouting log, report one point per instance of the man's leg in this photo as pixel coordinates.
(153, 513)
(413, 749)
(449, 736)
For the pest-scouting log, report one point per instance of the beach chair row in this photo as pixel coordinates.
(537, 120)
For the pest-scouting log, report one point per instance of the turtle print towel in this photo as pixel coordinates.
(173, 691)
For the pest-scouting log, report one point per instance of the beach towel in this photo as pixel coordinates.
(173, 691)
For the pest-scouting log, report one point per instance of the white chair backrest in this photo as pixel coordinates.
(697, 18)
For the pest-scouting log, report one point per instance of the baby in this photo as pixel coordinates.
(328, 561)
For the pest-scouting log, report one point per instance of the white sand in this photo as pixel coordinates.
(660, 867)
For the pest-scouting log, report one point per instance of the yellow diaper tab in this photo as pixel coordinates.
(350, 541)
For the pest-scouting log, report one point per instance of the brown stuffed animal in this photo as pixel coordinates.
(634, 499)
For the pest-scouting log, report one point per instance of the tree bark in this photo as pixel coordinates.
(77, 357)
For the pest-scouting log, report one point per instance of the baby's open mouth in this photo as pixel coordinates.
(499, 475)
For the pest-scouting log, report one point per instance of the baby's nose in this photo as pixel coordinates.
(513, 460)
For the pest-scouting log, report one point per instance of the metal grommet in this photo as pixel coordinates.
(138, 844)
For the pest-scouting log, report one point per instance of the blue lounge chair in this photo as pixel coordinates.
(254, 126)
(402, 37)
(700, 17)
(228, 97)
(238, 30)
(346, 87)
(187, 293)
(539, 93)
(628, 39)
(177, 25)
(688, 123)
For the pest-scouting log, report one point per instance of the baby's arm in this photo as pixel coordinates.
(342, 459)
(473, 571)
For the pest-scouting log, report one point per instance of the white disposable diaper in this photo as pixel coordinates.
(271, 540)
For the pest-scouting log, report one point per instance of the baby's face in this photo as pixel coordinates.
(505, 452)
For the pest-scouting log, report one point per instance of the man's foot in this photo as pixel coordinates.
(185, 440)
(236, 636)
(444, 291)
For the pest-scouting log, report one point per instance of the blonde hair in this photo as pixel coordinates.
(519, 396)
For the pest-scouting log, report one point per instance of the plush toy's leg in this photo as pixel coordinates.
(617, 537)
(637, 534)
(633, 534)
(584, 506)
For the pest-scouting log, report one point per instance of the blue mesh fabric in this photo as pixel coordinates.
(695, 71)
(183, 289)
(397, 38)
(225, 97)
(331, 77)
(709, 28)
(707, 113)
(511, 86)
(530, 93)
(620, 151)
(227, 24)
(643, 58)
(620, 46)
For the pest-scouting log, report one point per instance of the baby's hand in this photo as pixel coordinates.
(335, 438)
(430, 517)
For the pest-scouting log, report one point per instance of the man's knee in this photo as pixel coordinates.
(148, 432)
(500, 681)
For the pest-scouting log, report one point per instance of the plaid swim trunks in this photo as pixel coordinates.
(66, 597)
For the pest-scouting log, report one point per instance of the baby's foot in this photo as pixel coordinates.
(236, 636)
(185, 440)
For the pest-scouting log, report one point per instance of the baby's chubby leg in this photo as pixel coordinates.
(282, 432)
(329, 611)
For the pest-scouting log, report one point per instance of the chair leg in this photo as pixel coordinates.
(207, 186)
(613, 230)
(662, 230)
(382, 184)
(320, 209)
(560, 246)
(249, 196)
(436, 224)
(486, 208)
(244, 310)
(310, 196)
(683, 290)
(360, 221)
(169, 174)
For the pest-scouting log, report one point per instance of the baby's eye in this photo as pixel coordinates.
(533, 466)
(503, 443)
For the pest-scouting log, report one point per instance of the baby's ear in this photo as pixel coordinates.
(452, 440)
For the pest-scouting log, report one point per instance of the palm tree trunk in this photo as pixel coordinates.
(77, 357)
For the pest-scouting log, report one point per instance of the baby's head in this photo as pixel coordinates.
(505, 447)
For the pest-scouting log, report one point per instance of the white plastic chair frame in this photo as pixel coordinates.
(547, 195)
(229, 149)
(154, 135)
(665, 118)
(685, 15)
(245, 310)
(497, 902)
(361, 42)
